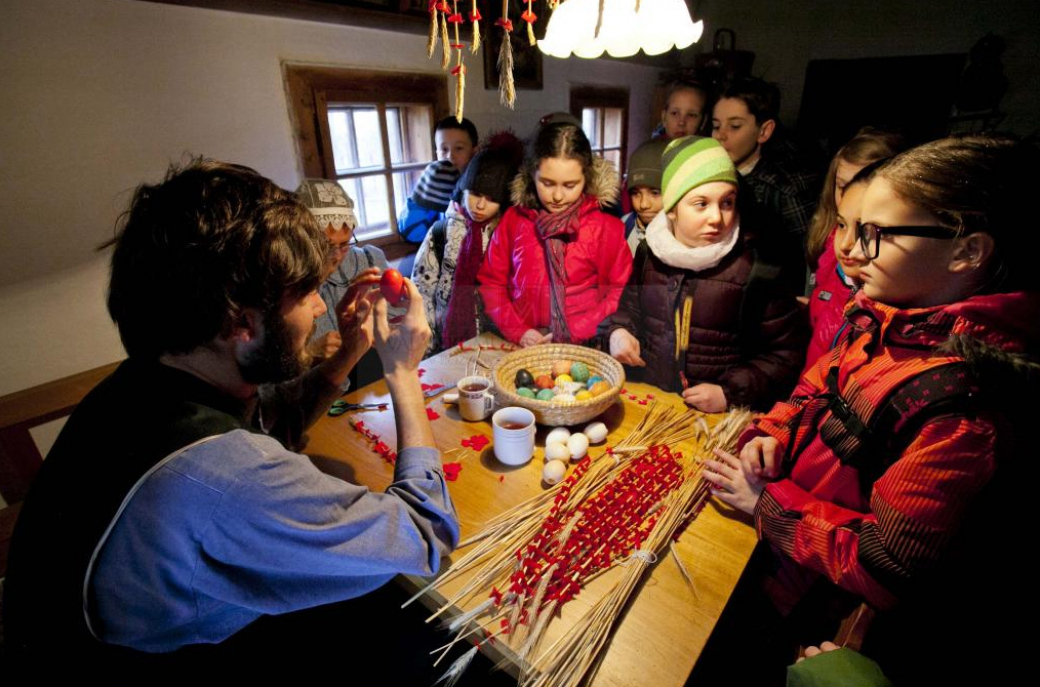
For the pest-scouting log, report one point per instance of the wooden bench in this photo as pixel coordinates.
(20, 458)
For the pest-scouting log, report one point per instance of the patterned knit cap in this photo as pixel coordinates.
(693, 161)
(644, 165)
(435, 186)
(329, 203)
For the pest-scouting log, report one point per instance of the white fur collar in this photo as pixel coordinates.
(662, 242)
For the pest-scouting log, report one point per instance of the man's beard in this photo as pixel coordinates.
(275, 360)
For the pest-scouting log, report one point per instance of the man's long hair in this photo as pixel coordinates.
(195, 250)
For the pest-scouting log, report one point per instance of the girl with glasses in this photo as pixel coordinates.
(893, 474)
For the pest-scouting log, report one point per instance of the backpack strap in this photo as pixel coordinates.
(873, 444)
(439, 238)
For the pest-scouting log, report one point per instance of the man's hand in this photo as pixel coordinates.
(401, 347)
(707, 398)
(353, 314)
(625, 348)
(533, 337)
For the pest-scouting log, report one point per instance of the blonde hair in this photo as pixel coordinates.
(867, 146)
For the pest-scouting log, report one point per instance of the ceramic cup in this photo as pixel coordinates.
(514, 431)
(475, 399)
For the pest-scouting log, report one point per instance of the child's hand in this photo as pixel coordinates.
(759, 458)
(625, 348)
(533, 337)
(707, 398)
(325, 346)
(730, 483)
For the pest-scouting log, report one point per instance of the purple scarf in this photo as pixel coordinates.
(555, 230)
(460, 322)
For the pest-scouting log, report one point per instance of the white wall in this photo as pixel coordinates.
(100, 95)
(785, 36)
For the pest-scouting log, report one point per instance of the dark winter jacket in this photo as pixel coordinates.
(750, 341)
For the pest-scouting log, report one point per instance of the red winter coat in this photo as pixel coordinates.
(826, 305)
(514, 279)
(820, 517)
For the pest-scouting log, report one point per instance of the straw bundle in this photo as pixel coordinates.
(532, 559)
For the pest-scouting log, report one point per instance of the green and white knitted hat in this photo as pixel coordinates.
(693, 161)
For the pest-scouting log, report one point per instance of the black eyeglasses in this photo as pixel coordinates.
(869, 235)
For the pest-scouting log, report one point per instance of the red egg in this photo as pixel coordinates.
(392, 286)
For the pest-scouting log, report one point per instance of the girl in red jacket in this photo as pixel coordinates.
(831, 281)
(873, 482)
(556, 265)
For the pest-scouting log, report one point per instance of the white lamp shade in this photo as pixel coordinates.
(657, 27)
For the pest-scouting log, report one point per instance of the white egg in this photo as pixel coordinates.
(557, 450)
(570, 387)
(564, 398)
(578, 445)
(560, 434)
(554, 471)
(596, 432)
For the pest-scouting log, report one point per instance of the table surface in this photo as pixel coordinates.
(664, 631)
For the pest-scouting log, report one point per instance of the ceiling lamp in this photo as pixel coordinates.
(622, 28)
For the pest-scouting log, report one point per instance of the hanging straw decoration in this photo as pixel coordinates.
(553, 4)
(445, 45)
(460, 69)
(506, 89)
(474, 16)
(431, 40)
(624, 508)
(529, 16)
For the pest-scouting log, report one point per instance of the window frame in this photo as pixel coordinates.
(310, 89)
(602, 97)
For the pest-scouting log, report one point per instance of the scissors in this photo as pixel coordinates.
(340, 406)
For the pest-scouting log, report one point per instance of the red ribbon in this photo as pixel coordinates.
(505, 24)
(475, 15)
(461, 68)
(455, 18)
(529, 16)
(443, 7)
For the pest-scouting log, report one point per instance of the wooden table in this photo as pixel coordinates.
(662, 634)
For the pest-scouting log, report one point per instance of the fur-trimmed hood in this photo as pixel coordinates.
(604, 185)
(997, 335)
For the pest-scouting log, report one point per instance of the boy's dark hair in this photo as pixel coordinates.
(196, 249)
(465, 125)
(761, 97)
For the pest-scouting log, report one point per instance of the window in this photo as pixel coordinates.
(604, 118)
(363, 137)
(370, 131)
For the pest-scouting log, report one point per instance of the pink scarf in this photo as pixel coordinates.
(556, 230)
(460, 322)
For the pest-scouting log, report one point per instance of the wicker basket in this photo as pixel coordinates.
(539, 360)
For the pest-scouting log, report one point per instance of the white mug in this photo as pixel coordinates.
(475, 399)
(514, 431)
